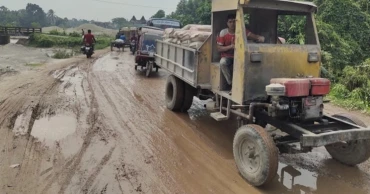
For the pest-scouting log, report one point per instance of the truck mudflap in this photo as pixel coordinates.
(322, 139)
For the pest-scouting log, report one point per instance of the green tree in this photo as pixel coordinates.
(33, 13)
(120, 22)
(193, 12)
(51, 17)
(159, 14)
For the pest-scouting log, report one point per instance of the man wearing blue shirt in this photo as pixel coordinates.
(122, 37)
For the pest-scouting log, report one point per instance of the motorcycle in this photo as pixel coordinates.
(133, 47)
(87, 50)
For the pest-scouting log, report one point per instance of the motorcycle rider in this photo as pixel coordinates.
(133, 39)
(89, 38)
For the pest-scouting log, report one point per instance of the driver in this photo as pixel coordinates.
(122, 37)
(226, 45)
(89, 38)
(133, 38)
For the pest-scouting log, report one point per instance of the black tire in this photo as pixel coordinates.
(189, 94)
(353, 152)
(136, 67)
(174, 93)
(156, 69)
(260, 166)
(149, 68)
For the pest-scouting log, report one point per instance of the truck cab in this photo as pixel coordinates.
(256, 63)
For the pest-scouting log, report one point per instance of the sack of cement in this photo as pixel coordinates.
(167, 40)
(197, 27)
(196, 45)
(170, 33)
(199, 36)
(119, 41)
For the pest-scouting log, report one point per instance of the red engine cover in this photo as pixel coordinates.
(294, 87)
(319, 86)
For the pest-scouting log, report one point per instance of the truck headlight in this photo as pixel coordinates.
(256, 57)
(313, 57)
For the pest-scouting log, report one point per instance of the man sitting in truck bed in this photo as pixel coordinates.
(226, 45)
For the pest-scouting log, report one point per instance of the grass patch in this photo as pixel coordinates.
(34, 64)
(48, 41)
(352, 100)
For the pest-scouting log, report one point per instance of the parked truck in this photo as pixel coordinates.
(275, 84)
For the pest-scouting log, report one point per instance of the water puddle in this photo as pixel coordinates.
(53, 129)
(296, 180)
(301, 181)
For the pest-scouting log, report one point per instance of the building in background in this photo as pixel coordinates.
(138, 23)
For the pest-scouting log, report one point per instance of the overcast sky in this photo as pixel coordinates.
(99, 10)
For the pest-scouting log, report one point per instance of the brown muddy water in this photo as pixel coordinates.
(99, 126)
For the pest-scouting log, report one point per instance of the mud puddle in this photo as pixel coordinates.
(55, 128)
(298, 180)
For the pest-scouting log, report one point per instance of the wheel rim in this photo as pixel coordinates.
(249, 154)
(345, 147)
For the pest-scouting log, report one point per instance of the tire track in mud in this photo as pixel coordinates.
(96, 171)
(73, 164)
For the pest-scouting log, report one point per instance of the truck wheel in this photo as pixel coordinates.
(353, 152)
(188, 97)
(256, 155)
(174, 93)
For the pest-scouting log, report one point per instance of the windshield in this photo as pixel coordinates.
(281, 27)
(163, 24)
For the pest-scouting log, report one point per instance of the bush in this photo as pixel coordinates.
(339, 91)
(54, 32)
(75, 34)
(57, 33)
(45, 42)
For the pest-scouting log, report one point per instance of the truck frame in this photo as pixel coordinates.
(268, 81)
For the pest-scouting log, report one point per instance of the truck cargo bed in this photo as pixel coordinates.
(188, 64)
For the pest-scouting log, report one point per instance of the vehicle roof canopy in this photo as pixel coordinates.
(283, 5)
(169, 19)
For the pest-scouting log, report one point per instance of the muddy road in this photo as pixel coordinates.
(99, 126)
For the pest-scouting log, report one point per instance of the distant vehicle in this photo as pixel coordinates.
(145, 48)
(164, 23)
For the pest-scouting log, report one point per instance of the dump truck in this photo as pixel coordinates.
(273, 84)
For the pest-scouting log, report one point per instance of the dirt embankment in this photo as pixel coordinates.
(99, 126)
